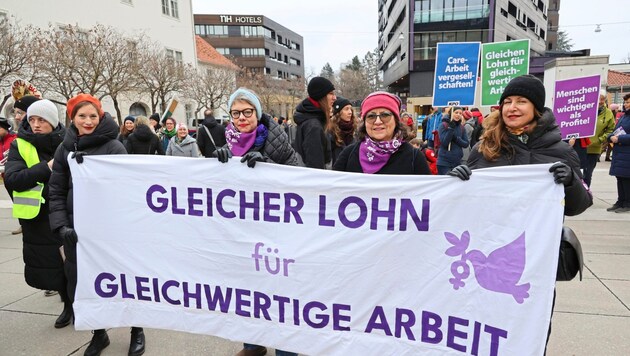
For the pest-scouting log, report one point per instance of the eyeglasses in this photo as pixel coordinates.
(384, 116)
(237, 113)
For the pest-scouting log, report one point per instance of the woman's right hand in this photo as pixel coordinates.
(223, 154)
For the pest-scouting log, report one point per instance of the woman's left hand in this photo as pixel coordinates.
(252, 158)
(562, 173)
(614, 139)
(462, 172)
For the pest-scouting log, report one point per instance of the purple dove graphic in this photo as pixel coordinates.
(500, 271)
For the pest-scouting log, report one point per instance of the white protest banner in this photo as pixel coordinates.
(315, 261)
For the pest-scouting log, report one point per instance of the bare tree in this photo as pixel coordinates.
(159, 75)
(16, 53)
(209, 86)
(372, 73)
(353, 84)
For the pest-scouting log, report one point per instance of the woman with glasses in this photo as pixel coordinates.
(381, 147)
(182, 145)
(453, 141)
(255, 137)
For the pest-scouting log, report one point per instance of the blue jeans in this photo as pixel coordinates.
(442, 170)
(278, 352)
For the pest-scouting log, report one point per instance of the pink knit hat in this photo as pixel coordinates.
(381, 99)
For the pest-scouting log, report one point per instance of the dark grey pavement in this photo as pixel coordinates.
(591, 317)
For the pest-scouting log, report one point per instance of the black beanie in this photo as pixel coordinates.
(527, 86)
(339, 104)
(155, 116)
(319, 87)
(24, 102)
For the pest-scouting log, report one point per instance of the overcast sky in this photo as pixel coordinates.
(334, 31)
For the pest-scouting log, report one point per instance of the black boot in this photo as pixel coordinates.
(65, 317)
(99, 342)
(136, 345)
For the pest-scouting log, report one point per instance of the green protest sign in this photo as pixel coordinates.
(500, 62)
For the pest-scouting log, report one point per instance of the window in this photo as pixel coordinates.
(512, 9)
(176, 56)
(169, 8)
(542, 34)
(189, 112)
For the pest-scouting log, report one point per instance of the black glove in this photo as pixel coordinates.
(78, 155)
(69, 236)
(452, 123)
(562, 173)
(462, 172)
(223, 154)
(252, 158)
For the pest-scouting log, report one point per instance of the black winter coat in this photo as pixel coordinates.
(100, 142)
(203, 140)
(142, 141)
(407, 160)
(43, 266)
(544, 145)
(311, 141)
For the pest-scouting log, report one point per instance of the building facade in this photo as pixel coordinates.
(167, 22)
(255, 42)
(410, 30)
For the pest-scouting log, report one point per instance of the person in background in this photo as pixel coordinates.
(408, 124)
(620, 165)
(210, 135)
(19, 112)
(312, 117)
(28, 170)
(342, 127)
(381, 146)
(428, 153)
(608, 147)
(433, 122)
(126, 129)
(143, 141)
(92, 132)
(604, 126)
(154, 123)
(168, 132)
(255, 137)
(182, 144)
(6, 137)
(453, 141)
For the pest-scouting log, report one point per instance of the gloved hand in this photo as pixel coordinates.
(252, 158)
(562, 173)
(452, 123)
(69, 236)
(78, 155)
(223, 154)
(462, 172)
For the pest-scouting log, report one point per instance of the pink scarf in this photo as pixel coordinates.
(373, 155)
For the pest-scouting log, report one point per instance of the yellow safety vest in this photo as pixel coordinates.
(26, 204)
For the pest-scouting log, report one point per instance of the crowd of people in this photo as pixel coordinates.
(327, 134)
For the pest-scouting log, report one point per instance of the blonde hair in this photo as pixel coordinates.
(142, 120)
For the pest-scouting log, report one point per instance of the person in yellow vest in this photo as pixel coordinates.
(28, 170)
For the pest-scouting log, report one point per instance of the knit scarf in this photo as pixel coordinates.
(373, 155)
(240, 143)
(170, 133)
(346, 129)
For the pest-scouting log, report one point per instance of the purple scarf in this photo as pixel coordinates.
(239, 143)
(373, 155)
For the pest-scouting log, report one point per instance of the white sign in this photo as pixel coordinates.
(318, 262)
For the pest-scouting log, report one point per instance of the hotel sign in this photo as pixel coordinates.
(241, 19)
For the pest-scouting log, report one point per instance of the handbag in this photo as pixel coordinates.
(570, 260)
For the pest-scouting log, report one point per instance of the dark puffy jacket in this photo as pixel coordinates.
(276, 148)
(311, 142)
(203, 140)
(142, 141)
(453, 142)
(620, 165)
(43, 266)
(100, 142)
(407, 160)
(544, 145)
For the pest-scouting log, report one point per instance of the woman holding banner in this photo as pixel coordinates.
(255, 137)
(92, 132)
(525, 132)
(381, 147)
